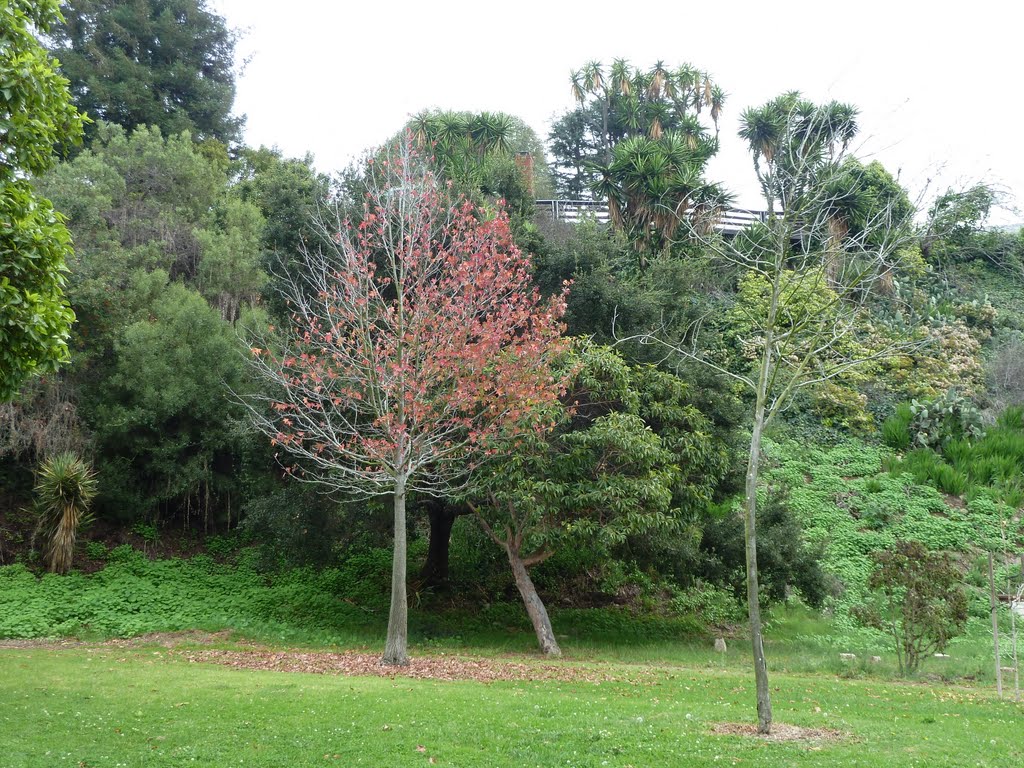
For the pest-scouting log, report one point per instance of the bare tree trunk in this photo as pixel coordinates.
(1016, 601)
(534, 606)
(396, 649)
(604, 129)
(994, 605)
(764, 702)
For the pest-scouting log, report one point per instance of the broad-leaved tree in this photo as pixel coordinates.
(415, 339)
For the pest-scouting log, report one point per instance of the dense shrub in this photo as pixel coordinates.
(294, 526)
(135, 595)
(786, 562)
(919, 601)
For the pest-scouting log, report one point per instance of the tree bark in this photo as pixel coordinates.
(396, 649)
(534, 606)
(442, 517)
(764, 702)
(994, 605)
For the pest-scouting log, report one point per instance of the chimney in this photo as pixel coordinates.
(524, 161)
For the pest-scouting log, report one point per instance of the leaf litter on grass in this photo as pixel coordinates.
(441, 667)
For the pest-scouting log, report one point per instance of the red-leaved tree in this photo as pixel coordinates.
(416, 340)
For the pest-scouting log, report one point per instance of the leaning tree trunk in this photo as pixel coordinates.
(764, 702)
(534, 606)
(396, 649)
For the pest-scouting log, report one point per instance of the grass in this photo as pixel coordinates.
(101, 706)
(134, 596)
(95, 707)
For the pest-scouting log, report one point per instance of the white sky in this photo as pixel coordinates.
(937, 83)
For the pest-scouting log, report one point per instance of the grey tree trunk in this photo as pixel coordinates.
(396, 649)
(764, 702)
(994, 605)
(534, 606)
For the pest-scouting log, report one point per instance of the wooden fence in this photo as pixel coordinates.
(731, 222)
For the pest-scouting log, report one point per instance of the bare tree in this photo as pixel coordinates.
(1016, 603)
(41, 421)
(833, 240)
(994, 609)
(1006, 376)
(415, 339)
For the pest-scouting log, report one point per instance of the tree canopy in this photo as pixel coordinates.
(638, 141)
(168, 63)
(36, 115)
(168, 255)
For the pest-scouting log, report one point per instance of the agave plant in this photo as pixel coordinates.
(65, 486)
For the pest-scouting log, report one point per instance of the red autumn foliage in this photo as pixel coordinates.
(417, 338)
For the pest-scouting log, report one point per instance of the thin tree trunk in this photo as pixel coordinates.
(1014, 602)
(607, 138)
(764, 703)
(994, 605)
(534, 606)
(396, 649)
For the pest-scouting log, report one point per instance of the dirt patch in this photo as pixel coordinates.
(780, 732)
(421, 667)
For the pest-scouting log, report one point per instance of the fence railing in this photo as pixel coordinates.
(730, 222)
(575, 210)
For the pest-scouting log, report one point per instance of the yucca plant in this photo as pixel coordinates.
(65, 486)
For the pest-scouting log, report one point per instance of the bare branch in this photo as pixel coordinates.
(415, 338)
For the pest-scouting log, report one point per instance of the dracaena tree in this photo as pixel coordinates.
(648, 144)
(415, 340)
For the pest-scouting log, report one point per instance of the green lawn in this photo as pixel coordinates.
(103, 706)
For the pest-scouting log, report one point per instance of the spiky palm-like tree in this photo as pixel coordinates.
(461, 141)
(791, 140)
(65, 487)
(654, 146)
(653, 185)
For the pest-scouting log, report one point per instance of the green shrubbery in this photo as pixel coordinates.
(846, 503)
(786, 562)
(956, 457)
(135, 595)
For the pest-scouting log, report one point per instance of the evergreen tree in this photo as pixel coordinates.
(35, 115)
(168, 63)
(638, 140)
